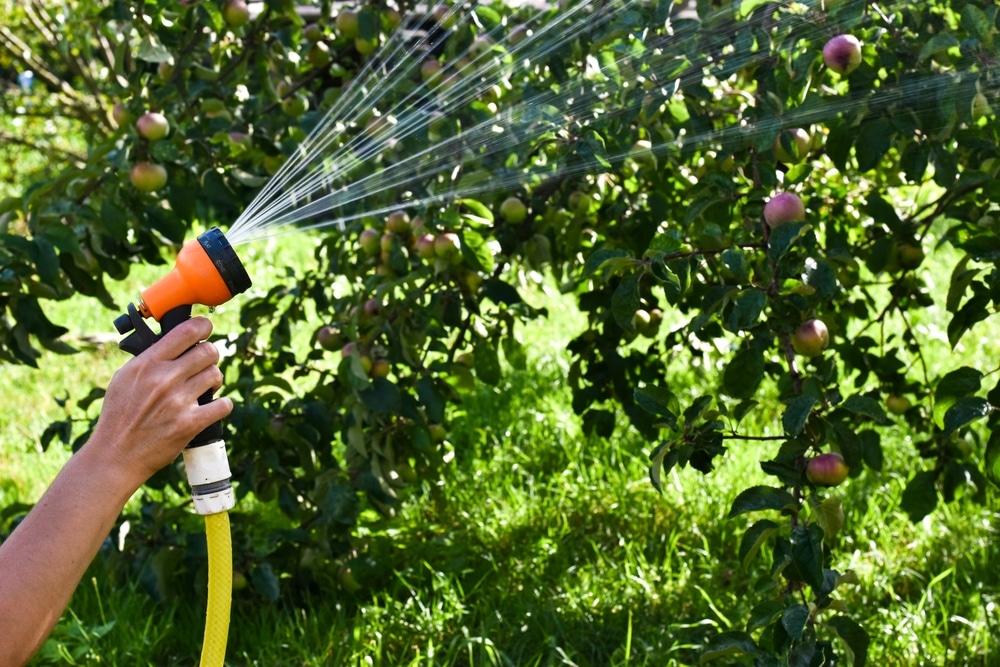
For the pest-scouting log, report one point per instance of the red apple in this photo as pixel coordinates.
(842, 54)
(811, 338)
(120, 114)
(827, 469)
(329, 338)
(152, 126)
(398, 222)
(782, 208)
(424, 245)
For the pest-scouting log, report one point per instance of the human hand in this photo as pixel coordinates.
(151, 407)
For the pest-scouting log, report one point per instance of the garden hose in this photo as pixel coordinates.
(220, 587)
(207, 272)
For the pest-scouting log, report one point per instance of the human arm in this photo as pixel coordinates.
(150, 413)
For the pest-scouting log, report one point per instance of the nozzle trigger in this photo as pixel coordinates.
(142, 337)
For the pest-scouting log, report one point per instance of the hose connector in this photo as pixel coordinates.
(208, 473)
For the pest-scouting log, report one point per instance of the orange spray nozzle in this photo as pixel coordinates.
(207, 272)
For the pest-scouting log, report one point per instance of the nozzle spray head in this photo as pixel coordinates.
(207, 272)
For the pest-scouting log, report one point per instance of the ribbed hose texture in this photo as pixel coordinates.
(220, 589)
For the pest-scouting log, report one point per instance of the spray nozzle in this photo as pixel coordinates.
(207, 272)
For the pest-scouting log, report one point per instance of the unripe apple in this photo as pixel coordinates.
(897, 405)
(472, 281)
(318, 54)
(120, 114)
(430, 69)
(801, 144)
(910, 256)
(236, 13)
(642, 153)
(811, 338)
(842, 54)
(513, 210)
(447, 245)
(579, 202)
(295, 106)
(647, 323)
(444, 17)
(347, 23)
(397, 222)
(313, 32)
(391, 18)
(782, 208)
(152, 126)
(518, 34)
(827, 469)
(372, 307)
(424, 245)
(981, 107)
(365, 47)
(330, 338)
(380, 368)
(148, 176)
(369, 242)
(240, 581)
(386, 241)
(438, 433)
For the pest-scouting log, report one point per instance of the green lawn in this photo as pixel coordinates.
(542, 547)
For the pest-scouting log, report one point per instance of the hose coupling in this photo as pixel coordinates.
(208, 473)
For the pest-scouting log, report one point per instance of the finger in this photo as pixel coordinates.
(182, 337)
(217, 410)
(196, 360)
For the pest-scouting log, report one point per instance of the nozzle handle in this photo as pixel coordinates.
(142, 338)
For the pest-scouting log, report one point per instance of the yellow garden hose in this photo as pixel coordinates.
(220, 589)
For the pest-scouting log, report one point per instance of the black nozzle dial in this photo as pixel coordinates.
(229, 266)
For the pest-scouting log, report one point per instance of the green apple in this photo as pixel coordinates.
(513, 210)
(369, 242)
(318, 54)
(236, 13)
(295, 106)
(447, 245)
(148, 176)
(347, 23)
(897, 405)
(910, 256)
(380, 368)
(120, 114)
(330, 338)
(397, 222)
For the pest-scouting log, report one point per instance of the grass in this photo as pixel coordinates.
(542, 547)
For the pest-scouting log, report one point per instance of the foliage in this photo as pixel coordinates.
(900, 174)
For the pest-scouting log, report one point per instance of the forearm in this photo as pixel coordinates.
(51, 549)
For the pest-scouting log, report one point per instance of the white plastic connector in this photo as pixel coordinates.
(208, 465)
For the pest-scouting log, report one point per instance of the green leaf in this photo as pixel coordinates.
(783, 237)
(743, 374)
(736, 261)
(991, 460)
(758, 498)
(661, 461)
(794, 620)
(794, 418)
(658, 401)
(868, 406)
(476, 252)
(920, 495)
(753, 539)
(747, 307)
(964, 412)
(807, 554)
(152, 51)
(382, 396)
(821, 276)
(600, 258)
(487, 362)
(829, 514)
(854, 637)
(938, 44)
(728, 644)
(961, 382)
(625, 301)
(764, 614)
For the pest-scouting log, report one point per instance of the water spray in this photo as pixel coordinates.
(207, 272)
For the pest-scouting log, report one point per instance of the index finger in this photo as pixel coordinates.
(182, 337)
